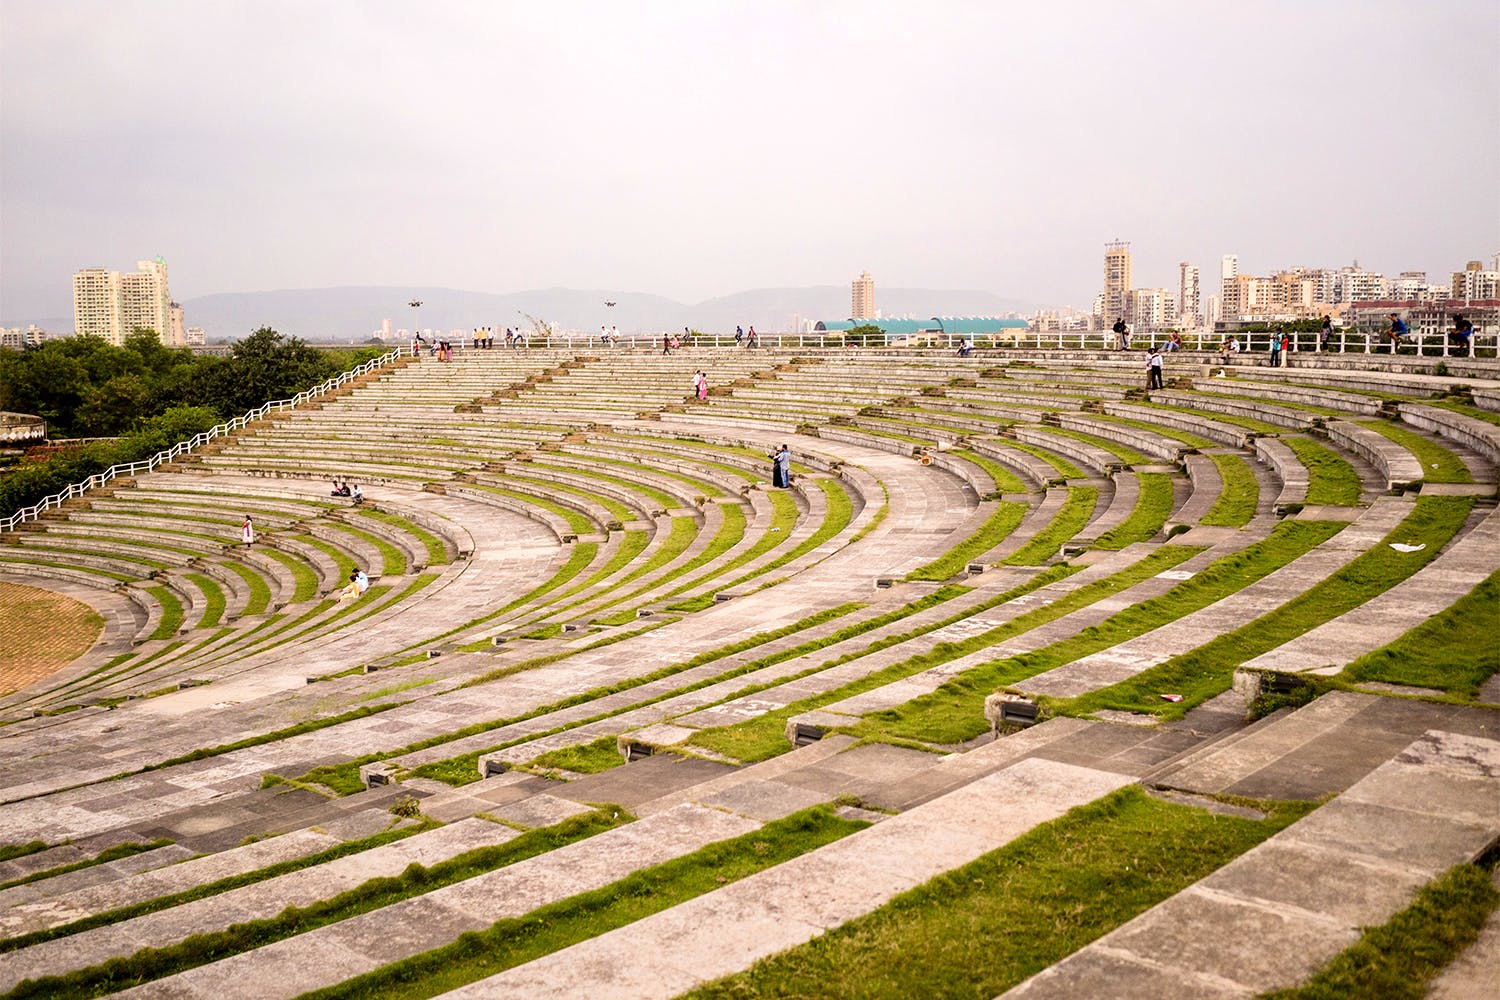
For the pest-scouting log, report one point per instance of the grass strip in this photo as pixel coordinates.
(437, 552)
(1238, 493)
(1124, 453)
(171, 613)
(602, 754)
(9, 852)
(515, 941)
(344, 778)
(209, 889)
(1331, 480)
(1439, 464)
(1396, 960)
(612, 507)
(260, 591)
(1201, 673)
(1003, 520)
(213, 600)
(304, 577)
(1005, 480)
(344, 563)
(1064, 468)
(1453, 651)
(1067, 522)
(954, 712)
(392, 559)
(200, 949)
(1189, 439)
(577, 522)
(763, 737)
(984, 927)
(114, 853)
(1152, 507)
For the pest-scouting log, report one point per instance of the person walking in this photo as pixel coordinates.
(1153, 369)
(666, 344)
(751, 340)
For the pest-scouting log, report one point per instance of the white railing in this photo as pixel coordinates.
(184, 447)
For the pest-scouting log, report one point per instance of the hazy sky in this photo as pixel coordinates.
(693, 149)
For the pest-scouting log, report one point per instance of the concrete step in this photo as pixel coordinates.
(1273, 916)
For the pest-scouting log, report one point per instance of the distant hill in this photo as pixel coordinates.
(352, 313)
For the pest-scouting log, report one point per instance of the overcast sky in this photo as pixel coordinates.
(694, 149)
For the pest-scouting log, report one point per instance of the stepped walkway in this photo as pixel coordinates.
(585, 591)
(1272, 917)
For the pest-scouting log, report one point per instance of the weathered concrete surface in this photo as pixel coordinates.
(331, 954)
(1275, 915)
(800, 899)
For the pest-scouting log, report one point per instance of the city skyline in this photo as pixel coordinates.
(690, 154)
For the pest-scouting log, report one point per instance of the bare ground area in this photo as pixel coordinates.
(27, 652)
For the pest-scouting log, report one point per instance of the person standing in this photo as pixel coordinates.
(781, 466)
(1325, 335)
(247, 532)
(1286, 349)
(1275, 349)
(1153, 369)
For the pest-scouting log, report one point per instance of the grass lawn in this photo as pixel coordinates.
(979, 930)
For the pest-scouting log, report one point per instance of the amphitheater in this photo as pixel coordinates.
(1033, 683)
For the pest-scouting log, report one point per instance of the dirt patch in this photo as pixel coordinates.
(40, 633)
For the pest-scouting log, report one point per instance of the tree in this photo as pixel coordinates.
(865, 334)
(265, 366)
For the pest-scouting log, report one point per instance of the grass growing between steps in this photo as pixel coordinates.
(996, 528)
(955, 711)
(9, 852)
(171, 613)
(200, 949)
(260, 591)
(1065, 468)
(1006, 481)
(517, 940)
(1439, 464)
(115, 853)
(213, 600)
(1454, 651)
(980, 929)
(1069, 520)
(1397, 960)
(437, 553)
(304, 578)
(1331, 480)
(1123, 452)
(589, 758)
(344, 778)
(209, 889)
(763, 737)
(1238, 495)
(1152, 507)
(392, 559)
(1208, 670)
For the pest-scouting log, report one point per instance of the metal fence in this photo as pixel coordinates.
(184, 447)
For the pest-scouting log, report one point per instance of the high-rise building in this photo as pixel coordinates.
(1152, 309)
(1189, 301)
(112, 305)
(1473, 282)
(862, 304)
(96, 304)
(1116, 282)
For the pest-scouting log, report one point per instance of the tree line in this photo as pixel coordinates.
(142, 397)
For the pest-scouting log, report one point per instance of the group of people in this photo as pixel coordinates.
(700, 386)
(357, 585)
(440, 349)
(781, 467)
(609, 336)
(342, 490)
(484, 338)
(670, 341)
(750, 339)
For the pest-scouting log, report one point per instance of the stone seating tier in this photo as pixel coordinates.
(1188, 422)
(1398, 467)
(1281, 416)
